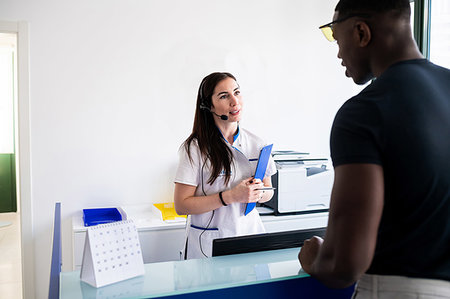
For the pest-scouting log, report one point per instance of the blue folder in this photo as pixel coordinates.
(100, 216)
(263, 160)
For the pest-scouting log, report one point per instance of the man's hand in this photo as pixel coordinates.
(308, 253)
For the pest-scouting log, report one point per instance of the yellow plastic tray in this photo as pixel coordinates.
(168, 211)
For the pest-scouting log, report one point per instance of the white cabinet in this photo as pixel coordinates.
(294, 222)
(161, 241)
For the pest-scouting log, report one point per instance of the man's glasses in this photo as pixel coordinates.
(327, 29)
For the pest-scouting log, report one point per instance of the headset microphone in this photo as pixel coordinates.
(222, 117)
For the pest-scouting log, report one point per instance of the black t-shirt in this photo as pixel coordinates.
(401, 121)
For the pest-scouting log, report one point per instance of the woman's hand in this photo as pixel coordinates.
(246, 191)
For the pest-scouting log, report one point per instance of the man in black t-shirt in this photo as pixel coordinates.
(389, 222)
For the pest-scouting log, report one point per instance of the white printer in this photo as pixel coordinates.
(303, 183)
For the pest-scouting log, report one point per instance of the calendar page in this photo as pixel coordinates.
(112, 253)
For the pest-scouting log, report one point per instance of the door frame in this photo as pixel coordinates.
(23, 154)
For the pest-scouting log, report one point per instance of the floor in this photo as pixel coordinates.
(10, 256)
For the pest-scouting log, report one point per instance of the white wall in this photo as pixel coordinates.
(113, 90)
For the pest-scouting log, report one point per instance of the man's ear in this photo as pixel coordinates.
(362, 33)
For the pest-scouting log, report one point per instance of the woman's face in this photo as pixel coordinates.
(226, 100)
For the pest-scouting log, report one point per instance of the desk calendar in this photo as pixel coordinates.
(112, 253)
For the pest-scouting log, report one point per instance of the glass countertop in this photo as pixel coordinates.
(183, 277)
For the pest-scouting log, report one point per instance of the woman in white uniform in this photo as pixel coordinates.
(214, 179)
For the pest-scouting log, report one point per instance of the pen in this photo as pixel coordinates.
(266, 188)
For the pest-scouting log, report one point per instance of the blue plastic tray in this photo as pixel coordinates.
(98, 216)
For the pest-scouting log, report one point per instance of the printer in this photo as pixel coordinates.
(303, 183)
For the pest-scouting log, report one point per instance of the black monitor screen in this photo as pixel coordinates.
(262, 242)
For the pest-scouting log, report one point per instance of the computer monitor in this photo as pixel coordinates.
(263, 242)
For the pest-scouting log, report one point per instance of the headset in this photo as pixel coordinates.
(204, 106)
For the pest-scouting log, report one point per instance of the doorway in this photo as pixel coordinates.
(22, 159)
(8, 104)
(10, 238)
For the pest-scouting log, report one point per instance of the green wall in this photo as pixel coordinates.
(8, 202)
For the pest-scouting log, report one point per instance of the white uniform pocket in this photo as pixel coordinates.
(200, 241)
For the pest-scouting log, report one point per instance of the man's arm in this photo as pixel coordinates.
(355, 213)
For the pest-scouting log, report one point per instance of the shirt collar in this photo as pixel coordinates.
(234, 137)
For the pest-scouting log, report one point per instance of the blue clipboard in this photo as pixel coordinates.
(263, 160)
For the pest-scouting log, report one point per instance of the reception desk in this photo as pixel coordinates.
(161, 241)
(267, 274)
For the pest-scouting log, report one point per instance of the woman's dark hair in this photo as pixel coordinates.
(209, 138)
